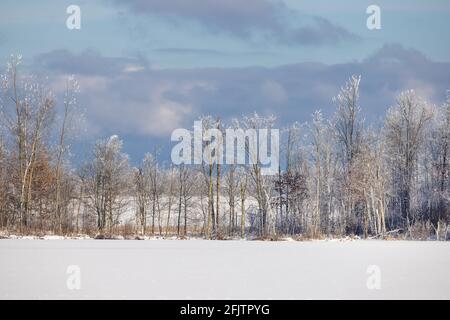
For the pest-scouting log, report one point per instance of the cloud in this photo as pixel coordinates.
(266, 19)
(133, 68)
(88, 62)
(396, 53)
(210, 52)
(274, 91)
(320, 32)
(233, 16)
(183, 51)
(152, 103)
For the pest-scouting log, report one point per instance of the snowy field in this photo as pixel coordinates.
(199, 269)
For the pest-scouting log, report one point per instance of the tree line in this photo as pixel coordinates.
(336, 177)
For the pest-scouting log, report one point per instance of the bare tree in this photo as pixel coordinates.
(404, 131)
(208, 172)
(243, 195)
(3, 187)
(69, 113)
(108, 181)
(438, 151)
(349, 135)
(170, 193)
(290, 145)
(155, 187)
(218, 162)
(141, 198)
(261, 183)
(231, 188)
(27, 111)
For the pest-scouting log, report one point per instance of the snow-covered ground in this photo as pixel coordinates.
(201, 269)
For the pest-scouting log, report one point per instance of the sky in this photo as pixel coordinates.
(146, 67)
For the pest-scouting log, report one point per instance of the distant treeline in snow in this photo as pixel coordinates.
(337, 176)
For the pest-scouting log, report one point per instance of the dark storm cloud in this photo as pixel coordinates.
(321, 32)
(266, 18)
(154, 102)
(235, 16)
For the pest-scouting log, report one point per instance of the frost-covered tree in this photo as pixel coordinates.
(3, 184)
(261, 184)
(108, 182)
(26, 111)
(70, 114)
(169, 177)
(155, 188)
(322, 172)
(207, 168)
(438, 151)
(141, 198)
(405, 130)
(187, 181)
(349, 131)
(284, 183)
